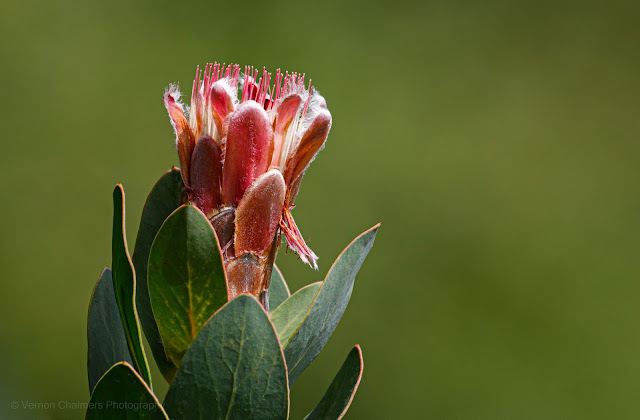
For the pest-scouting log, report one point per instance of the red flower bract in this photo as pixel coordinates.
(243, 151)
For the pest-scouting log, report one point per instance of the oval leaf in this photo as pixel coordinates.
(278, 289)
(186, 279)
(234, 369)
(122, 394)
(288, 317)
(163, 199)
(336, 401)
(124, 286)
(330, 304)
(107, 344)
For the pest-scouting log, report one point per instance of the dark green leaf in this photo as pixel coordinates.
(124, 285)
(122, 394)
(107, 344)
(336, 401)
(278, 289)
(288, 317)
(163, 199)
(330, 304)
(234, 369)
(186, 279)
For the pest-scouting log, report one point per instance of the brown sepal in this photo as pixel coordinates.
(245, 274)
(223, 224)
(205, 175)
(258, 214)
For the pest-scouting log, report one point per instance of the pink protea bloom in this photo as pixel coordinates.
(244, 145)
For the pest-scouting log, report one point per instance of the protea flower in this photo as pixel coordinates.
(242, 159)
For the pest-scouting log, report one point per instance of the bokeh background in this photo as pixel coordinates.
(497, 142)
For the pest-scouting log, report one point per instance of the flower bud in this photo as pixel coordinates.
(245, 170)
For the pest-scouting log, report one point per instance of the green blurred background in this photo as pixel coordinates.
(497, 142)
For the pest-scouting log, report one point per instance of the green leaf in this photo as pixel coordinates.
(278, 289)
(107, 344)
(329, 305)
(122, 394)
(124, 285)
(163, 199)
(234, 369)
(288, 317)
(186, 279)
(336, 401)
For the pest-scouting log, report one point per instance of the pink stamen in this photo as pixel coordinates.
(254, 87)
(277, 84)
(306, 104)
(259, 90)
(266, 90)
(262, 87)
(199, 88)
(205, 79)
(214, 72)
(245, 84)
(236, 74)
(287, 79)
(267, 93)
(295, 241)
(195, 87)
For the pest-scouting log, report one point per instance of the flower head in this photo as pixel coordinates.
(244, 145)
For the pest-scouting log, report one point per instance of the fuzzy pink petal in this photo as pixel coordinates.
(311, 143)
(287, 110)
(221, 103)
(249, 146)
(185, 139)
